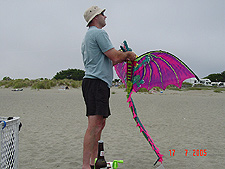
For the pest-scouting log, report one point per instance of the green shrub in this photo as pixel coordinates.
(219, 90)
(194, 88)
(76, 84)
(186, 84)
(122, 86)
(9, 84)
(52, 83)
(172, 87)
(141, 90)
(20, 85)
(45, 84)
(199, 85)
(4, 82)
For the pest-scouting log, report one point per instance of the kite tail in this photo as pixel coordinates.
(130, 64)
(142, 128)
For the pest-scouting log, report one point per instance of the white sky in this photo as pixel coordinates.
(41, 37)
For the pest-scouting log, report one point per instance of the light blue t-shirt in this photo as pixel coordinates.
(96, 63)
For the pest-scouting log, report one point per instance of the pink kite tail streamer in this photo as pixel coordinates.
(143, 130)
(129, 97)
(128, 100)
(131, 104)
(134, 116)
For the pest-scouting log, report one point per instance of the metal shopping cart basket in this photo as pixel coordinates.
(9, 144)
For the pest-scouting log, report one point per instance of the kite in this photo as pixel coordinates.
(151, 69)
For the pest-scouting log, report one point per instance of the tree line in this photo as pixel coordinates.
(216, 77)
(75, 74)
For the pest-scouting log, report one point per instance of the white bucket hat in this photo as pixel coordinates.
(91, 12)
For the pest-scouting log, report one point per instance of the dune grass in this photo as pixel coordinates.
(39, 83)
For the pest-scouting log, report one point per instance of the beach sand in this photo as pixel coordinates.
(54, 124)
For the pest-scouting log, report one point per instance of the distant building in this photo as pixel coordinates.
(194, 81)
(221, 84)
(218, 84)
(206, 82)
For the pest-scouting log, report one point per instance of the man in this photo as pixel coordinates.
(99, 56)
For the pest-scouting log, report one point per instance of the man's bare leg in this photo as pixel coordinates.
(94, 152)
(93, 133)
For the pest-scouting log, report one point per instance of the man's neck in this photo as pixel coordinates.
(96, 25)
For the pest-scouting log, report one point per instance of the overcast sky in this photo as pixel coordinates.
(41, 37)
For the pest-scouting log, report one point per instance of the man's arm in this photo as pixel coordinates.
(119, 56)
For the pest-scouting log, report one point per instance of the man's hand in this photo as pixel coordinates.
(131, 56)
(119, 56)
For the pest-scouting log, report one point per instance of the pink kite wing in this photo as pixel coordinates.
(121, 71)
(156, 69)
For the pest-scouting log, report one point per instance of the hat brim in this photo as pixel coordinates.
(97, 13)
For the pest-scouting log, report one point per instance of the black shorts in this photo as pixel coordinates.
(96, 96)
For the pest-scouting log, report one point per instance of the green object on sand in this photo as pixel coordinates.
(115, 163)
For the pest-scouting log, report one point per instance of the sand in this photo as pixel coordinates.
(54, 124)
